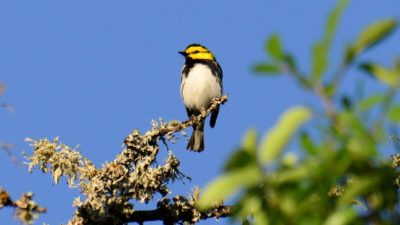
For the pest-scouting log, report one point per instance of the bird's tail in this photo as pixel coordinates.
(196, 142)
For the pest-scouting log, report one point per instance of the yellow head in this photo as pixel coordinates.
(197, 51)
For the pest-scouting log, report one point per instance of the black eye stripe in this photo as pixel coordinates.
(198, 51)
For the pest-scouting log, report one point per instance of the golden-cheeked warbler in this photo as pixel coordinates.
(201, 82)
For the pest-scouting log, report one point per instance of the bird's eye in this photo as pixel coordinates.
(195, 52)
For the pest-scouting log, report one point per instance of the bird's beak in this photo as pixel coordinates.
(183, 53)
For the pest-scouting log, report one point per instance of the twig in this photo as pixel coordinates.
(172, 128)
(26, 209)
(8, 149)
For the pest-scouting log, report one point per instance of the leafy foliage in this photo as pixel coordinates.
(321, 48)
(339, 175)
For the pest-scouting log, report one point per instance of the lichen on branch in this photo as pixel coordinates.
(26, 209)
(134, 175)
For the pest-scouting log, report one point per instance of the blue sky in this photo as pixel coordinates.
(91, 71)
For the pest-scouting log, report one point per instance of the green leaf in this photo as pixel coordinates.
(239, 159)
(345, 216)
(394, 114)
(260, 217)
(249, 142)
(274, 47)
(246, 153)
(249, 204)
(266, 68)
(289, 160)
(245, 222)
(293, 174)
(320, 60)
(370, 102)
(226, 185)
(321, 48)
(359, 143)
(359, 186)
(277, 138)
(307, 144)
(252, 204)
(352, 121)
(333, 19)
(384, 75)
(369, 37)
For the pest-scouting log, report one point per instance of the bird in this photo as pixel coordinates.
(201, 82)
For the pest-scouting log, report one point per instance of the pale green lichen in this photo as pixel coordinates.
(134, 175)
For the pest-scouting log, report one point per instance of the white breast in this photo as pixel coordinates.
(199, 87)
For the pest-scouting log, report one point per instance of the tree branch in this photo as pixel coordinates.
(175, 126)
(135, 174)
(141, 216)
(26, 209)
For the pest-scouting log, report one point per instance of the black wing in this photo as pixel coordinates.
(219, 76)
